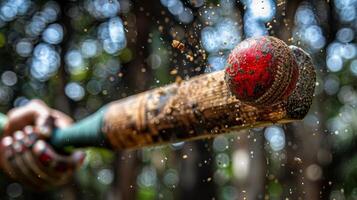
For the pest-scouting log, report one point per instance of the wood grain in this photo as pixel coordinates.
(200, 107)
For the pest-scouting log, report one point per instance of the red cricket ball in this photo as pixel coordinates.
(261, 71)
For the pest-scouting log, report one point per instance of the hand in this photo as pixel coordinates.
(25, 155)
(38, 114)
(33, 162)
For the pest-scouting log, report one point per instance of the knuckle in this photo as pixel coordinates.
(36, 102)
(11, 113)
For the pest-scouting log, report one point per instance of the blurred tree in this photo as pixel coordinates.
(80, 55)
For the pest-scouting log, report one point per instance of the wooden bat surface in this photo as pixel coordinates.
(200, 107)
(196, 108)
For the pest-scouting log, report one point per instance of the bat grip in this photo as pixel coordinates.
(85, 133)
(3, 120)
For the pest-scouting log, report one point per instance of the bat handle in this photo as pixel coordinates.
(3, 120)
(85, 133)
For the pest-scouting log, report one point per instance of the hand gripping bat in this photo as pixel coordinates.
(264, 82)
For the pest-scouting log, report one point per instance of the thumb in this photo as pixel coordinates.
(43, 124)
(67, 164)
(77, 158)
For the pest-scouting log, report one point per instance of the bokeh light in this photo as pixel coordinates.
(45, 62)
(171, 178)
(222, 160)
(307, 29)
(14, 190)
(10, 9)
(112, 35)
(24, 47)
(103, 8)
(105, 176)
(90, 48)
(74, 61)
(9, 78)
(220, 144)
(241, 164)
(74, 91)
(53, 34)
(147, 177)
(41, 19)
(345, 35)
(177, 8)
(258, 12)
(276, 137)
(80, 55)
(261, 9)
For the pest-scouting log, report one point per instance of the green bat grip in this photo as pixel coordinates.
(3, 120)
(85, 133)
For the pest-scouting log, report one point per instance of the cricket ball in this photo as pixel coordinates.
(261, 71)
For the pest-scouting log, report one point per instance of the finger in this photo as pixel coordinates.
(61, 120)
(7, 154)
(30, 136)
(18, 173)
(43, 124)
(33, 164)
(52, 163)
(17, 161)
(35, 112)
(19, 165)
(18, 119)
(77, 158)
(43, 118)
(32, 170)
(69, 163)
(32, 161)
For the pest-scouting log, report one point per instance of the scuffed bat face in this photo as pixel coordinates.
(300, 100)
